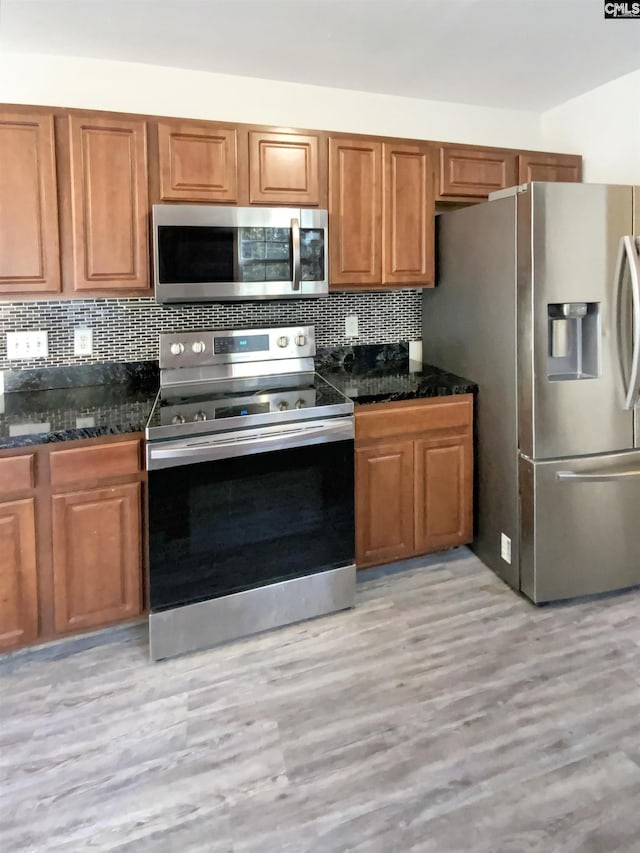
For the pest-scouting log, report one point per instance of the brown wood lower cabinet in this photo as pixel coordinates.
(18, 575)
(384, 527)
(414, 478)
(96, 556)
(442, 489)
(70, 538)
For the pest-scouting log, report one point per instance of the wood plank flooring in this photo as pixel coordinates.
(445, 713)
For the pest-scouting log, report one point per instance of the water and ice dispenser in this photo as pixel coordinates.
(574, 340)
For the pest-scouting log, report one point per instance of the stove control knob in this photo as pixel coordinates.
(300, 340)
(300, 404)
(282, 341)
(177, 419)
(283, 406)
(200, 416)
(198, 346)
(177, 349)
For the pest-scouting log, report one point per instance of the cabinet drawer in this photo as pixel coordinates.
(94, 463)
(375, 423)
(16, 474)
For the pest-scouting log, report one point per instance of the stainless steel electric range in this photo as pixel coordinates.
(250, 456)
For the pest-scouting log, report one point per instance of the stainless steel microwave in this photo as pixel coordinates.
(215, 253)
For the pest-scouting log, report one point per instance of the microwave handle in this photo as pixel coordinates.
(295, 240)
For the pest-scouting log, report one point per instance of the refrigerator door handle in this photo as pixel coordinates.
(600, 476)
(629, 250)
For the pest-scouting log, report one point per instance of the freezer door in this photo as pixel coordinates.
(579, 525)
(571, 383)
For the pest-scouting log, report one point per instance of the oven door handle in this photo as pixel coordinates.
(240, 444)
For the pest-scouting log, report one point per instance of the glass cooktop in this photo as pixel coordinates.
(179, 412)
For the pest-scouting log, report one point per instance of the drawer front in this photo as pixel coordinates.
(16, 474)
(94, 463)
(383, 423)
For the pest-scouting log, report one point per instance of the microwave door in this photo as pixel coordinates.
(215, 253)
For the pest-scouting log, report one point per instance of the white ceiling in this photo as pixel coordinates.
(528, 54)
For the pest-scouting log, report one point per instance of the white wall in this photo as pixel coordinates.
(603, 125)
(132, 87)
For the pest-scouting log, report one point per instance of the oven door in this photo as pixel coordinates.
(242, 510)
(212, 253)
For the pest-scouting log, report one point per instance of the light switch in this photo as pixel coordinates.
(27, 345)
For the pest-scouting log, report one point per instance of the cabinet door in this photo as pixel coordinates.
(549, 167)
(384, 503)
(96, 556)
(29, 243)
(18, 582)
(198, 162)
(443, 493)
(109, 203)
(355, 212)
(476, 172)
(408, 214)
(284, 168)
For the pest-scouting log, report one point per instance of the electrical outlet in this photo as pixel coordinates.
(27, 345)
(85, 422)
(415, 356)
(505, 548)
(351, 326)
(83, 341)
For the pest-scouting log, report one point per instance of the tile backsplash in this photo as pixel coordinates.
(127, 329)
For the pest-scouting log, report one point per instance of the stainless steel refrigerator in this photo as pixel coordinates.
(538, 301)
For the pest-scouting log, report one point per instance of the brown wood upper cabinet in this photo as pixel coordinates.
(109, 203)
(29, 242)
(381, 209)
(355, 212)
(407, 215)
(218, 164)
(549, 167)
(475, 172)
(284, 168)
(198, 162)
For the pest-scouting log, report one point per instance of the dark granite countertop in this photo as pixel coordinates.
(381, 373)
(36, 410)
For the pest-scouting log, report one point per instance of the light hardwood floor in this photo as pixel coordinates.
(444, 713)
